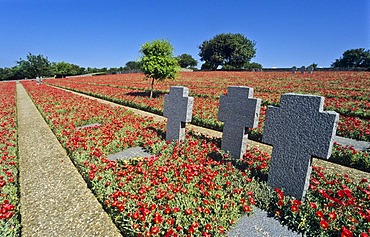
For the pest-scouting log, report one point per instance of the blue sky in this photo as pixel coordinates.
(110, 33)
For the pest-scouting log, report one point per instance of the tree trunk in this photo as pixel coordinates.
(152, 89)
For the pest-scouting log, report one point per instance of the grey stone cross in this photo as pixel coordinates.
(297, 130)
(239, 111)
(294, 69)
(310, 69)
(178, 107)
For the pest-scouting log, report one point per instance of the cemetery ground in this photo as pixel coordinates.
(191, 188)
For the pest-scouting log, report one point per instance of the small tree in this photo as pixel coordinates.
(186, 60)
(314, 65)
(157, 61)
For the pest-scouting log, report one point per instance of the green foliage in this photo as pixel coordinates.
(232, 51)
(353, 58)
(132, 66)
(314, 65)
(348, 156)
(66, 69)
(157, 61)
(252, 65)
(206, 66)
(186, 60)
(35, 66)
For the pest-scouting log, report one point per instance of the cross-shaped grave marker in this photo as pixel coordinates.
(297, 130)
(310, 69)
(178, 107)
(294, 69)
(239, 111)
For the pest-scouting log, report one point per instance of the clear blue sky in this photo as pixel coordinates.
(109, 33)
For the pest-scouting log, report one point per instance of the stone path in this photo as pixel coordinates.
(55, 200)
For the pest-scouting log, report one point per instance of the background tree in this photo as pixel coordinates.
(314, 65)
(232, 51)
(66, 69)
(35, 66)
(252, 65)
(132, 66)
(157, 61)
(353, 58)
(186, 60)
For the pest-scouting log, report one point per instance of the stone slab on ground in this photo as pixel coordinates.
(132, 152)
(357, 145)
(55, 200)
(260, 225)
(93, 125)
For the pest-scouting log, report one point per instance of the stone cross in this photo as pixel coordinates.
(297, 130)
(239, 111)
(294, 69)
(178, 107)
(310, 69)
(302, 69)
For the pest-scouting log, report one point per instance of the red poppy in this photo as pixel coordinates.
(346, 232)
(154, 230)
(324, 224)
(294, 208)
(319, 214)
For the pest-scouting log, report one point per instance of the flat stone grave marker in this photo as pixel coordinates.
(259, 224)
(178, 108)
(294, 69)
(239, 111)
(133, 152)
(297, 130)
(93, 125)
(357, 145)
(302, 69)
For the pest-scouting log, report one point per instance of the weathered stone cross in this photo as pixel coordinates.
(178, 107)
(239, 111)
(297, 130)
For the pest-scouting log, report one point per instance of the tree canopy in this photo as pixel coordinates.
(38, 65)
(66, 69)
(186, 60)
(34, 66)
(353, 58)
(132, 66)
(157, 61)
(231, 51)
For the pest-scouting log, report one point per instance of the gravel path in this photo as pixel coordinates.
(55, 200)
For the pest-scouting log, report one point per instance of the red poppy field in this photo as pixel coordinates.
(347, 93)
(185, 189)
(9, 188)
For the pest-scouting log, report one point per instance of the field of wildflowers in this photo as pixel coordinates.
(345, 92)
(9, 187)
(190, 188)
